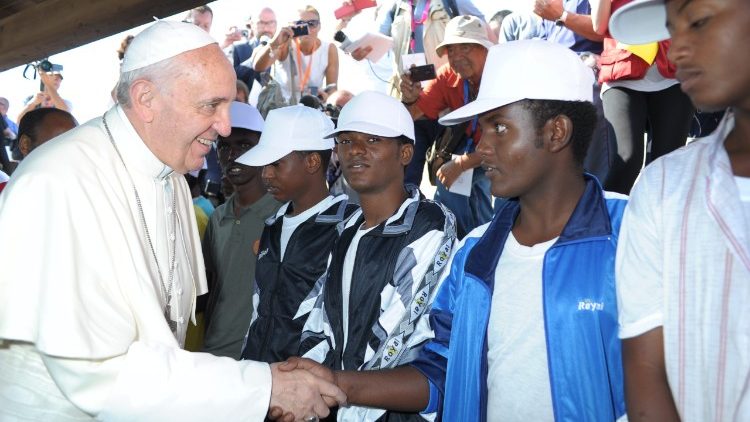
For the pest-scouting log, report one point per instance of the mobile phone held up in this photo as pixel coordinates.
(422, 73)
(300, 30)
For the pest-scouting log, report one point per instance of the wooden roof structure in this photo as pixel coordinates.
(34, 29)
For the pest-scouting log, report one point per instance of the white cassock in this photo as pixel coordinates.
(82, 326)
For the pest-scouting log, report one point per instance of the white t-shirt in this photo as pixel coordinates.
(290, 223)
(518, 376)
(346, 277)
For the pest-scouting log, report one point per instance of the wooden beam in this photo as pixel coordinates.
(47, 27)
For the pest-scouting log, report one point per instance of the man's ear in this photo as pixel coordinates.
(560, 133)
(142, 96)
(24, 144)
(313, 162)
(406, 152)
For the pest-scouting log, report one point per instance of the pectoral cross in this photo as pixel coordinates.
(168, 317)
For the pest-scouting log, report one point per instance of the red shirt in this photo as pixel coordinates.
(444, 92)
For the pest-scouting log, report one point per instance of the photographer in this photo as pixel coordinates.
(48, 97)
(465, 45)
(260, 29)
(299, 69)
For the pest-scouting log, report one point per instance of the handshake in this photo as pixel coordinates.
(303, 390)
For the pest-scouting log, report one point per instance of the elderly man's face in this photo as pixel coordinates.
(265, 24)
(467, 59)
(193, 110)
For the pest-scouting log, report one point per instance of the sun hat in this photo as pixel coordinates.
(465, 29)
(245, 116)
(640, 22)
(375, 113)
(162, 40)
(287, 129)
(527, 69)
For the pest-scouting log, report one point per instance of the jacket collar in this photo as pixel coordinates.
(334, 214)
(397, 224)
(590, 219)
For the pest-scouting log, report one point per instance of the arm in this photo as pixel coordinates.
(449, 172)
(580, 24)
(402, 389)
(640, 293)
(332, 70)
(600, 12)
(647, 392)
(32, 104)
(168, 383)
(51, 92)
(280, 46)
(410, 93)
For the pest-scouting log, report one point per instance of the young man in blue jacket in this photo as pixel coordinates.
(525, 323)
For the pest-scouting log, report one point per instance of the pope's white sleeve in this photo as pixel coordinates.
(638, 266)
(154, 382)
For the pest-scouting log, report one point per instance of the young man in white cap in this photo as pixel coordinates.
(296, 243)
(371, 309)
(683, 264)
(92, 323)
(457, 83)
(525, 323)
(230, 243)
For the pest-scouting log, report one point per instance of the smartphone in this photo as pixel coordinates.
(422, 73)
(300, 30)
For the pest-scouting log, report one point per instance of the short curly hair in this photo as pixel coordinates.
(581, 113)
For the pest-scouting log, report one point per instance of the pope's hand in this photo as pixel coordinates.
(299, 393)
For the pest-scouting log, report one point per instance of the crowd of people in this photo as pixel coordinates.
(241, 238)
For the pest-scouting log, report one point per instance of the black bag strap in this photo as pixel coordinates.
(451, 7)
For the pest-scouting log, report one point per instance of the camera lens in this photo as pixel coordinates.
(45, 65)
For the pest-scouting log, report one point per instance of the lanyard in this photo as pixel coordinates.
(474, 121)
(303, 79)
(415, 22)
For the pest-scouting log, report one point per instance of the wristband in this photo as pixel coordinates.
(408, 104)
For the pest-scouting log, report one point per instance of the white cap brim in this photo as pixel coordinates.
(475, 108)
(640, 22)
(368, 128)
(262, 155)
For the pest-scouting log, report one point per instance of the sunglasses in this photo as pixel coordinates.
(312, 23)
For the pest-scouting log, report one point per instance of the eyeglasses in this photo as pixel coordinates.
(312, 23)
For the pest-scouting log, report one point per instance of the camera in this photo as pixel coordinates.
(422, 73)
(42, 66)
(300, 30)
(244, 33)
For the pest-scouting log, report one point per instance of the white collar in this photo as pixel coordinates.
(136, 154)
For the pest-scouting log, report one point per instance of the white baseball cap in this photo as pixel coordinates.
(287, 129)
(245, 116)
(464, 29)
(161, 41)
(375, 113)
(640, 22)
(527, 69)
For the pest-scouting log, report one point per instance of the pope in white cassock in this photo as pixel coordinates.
(101, 261)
